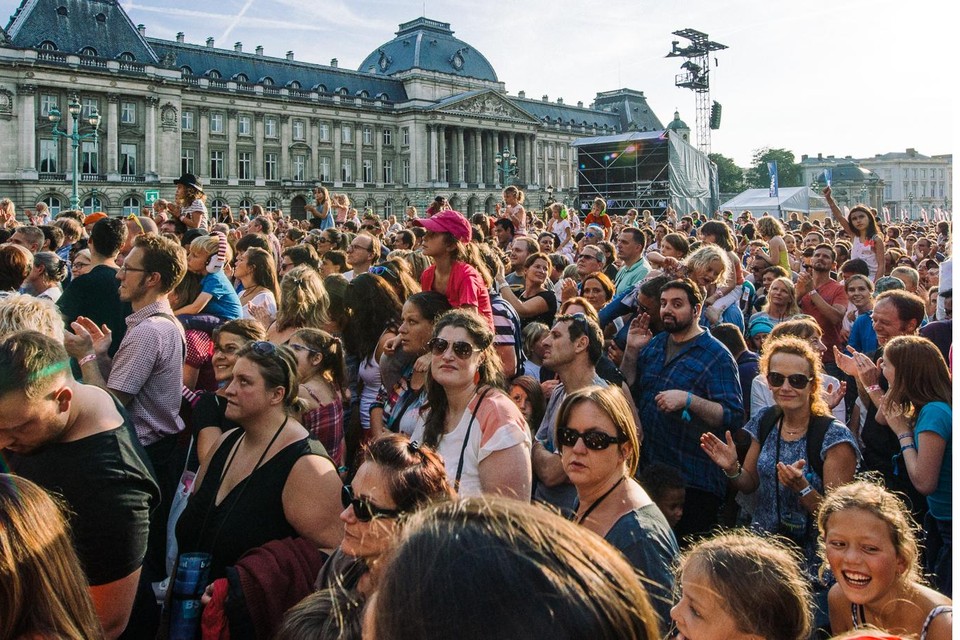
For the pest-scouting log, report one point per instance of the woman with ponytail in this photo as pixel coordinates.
(322, 372)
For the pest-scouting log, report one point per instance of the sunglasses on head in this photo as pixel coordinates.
(263, 348)
(797, 380)
(461, 349)
(363, 509)
(594, 440)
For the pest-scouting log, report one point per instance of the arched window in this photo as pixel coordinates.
(293, 84)
(88, 51)
(388, 207)
(320, 88)
(272, 205)
(185, 70)
(62, 11)
(131, 206)
(47, 45)
(216, 206)
(266, 81)
(101, 18)
(53, 202)
(241, 77)
(363, 94)
(343, 91)
(91, 204)
(383, 96)
(126, 56)
(213, 73)
(246, 203)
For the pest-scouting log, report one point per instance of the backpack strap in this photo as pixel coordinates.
(816, 433)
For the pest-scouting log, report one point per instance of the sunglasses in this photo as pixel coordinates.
(363, 509)
(301, 348)
(461, 349)
(588, 255)
(263, 348)
(368, 227)
(797, 380)
(594, 440)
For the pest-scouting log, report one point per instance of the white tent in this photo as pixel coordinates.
(802, 200)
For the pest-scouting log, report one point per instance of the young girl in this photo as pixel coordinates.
(559, 225)
(321, 214)
(191, 202)
(741, 586)
(867, 538)
(217, 296)
(322, 374)
(861, 225)
(513, 209)
(772, 233)
(341, 204)
(730, 291)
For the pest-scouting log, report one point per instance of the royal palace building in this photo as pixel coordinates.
(425, 113)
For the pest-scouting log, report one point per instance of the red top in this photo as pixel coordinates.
(465, 288)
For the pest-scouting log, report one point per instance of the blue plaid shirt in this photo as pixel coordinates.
(706, 369)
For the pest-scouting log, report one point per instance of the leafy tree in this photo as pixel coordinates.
(790, 173)
(728, 173)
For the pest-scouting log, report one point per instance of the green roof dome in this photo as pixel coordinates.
(677, 123)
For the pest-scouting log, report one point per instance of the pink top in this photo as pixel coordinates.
(465, 287)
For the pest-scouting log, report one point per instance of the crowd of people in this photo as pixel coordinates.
(529, 424)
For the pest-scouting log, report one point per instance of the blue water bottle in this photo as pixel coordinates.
(193, 571)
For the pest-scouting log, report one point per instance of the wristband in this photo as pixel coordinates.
(90, 357)
(873, 387)
(807, 490)
(736, 475)
(686, 410)
(908, 446)
(905, 436)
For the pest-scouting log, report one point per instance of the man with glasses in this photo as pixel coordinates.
(590, 260)
(571, 349)
(685, 383)
(146, 373)
(363, 252)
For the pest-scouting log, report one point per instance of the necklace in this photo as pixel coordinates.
(596, 503)
(247, 292)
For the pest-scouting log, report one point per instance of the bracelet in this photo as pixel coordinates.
(90, 357)
(905, 436)
(873, 387)
(807, 490)
(686, 410)
(908, 446)
(736, 475)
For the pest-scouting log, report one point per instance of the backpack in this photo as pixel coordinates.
(816, 432)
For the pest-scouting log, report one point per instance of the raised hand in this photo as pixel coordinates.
(791, 475)
(639, 334)
(832, 396)
(87, 337)
(723, 454)
(845, 362)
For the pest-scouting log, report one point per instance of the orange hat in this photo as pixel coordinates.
(97, 216)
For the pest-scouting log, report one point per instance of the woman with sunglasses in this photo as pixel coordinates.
(789, 486)
(472, 423)
(265, 480)
(396, 478)
(597, 441)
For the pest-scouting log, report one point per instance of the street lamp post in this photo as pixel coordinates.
(863, 195)
(910, 198)
(507, 166)
(74, 108)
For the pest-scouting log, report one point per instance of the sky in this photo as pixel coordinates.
(848, 77)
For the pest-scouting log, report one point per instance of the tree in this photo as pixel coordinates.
(789, 172)
(729, 174)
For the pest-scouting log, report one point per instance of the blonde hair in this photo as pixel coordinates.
(22, 312)
(209, 245)
(703, 257)
(792, 307)
(797, 347)
(769, 227)
(303, 300)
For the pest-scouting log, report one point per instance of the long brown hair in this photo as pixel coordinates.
(264, 267)
(490, 370)
(43, 590)
(922, 375)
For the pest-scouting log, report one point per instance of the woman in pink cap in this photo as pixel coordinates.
(457, 271)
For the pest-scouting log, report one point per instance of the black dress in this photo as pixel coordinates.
(249, 516)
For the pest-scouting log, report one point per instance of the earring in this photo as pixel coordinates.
(476, 377)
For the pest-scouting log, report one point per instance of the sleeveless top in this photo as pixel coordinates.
(249, 516)
(860, 617)
(864, 251)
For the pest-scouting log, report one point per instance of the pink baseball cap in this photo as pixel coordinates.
(448, 221)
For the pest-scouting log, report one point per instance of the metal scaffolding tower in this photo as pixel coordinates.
(696, 76)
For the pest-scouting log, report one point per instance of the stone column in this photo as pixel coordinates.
(313, 139)
(461, 158)
(477, 157)
(113, 142)
(556, 178)
(530, 142)
(442, 137)
(258, 170)
(433, 153)
(571, 173)
(28, 136)
(284, 123)
(232, 161)
(337, 168)
(358, 147)
(203, 161)
(150, 156)
(378, 144)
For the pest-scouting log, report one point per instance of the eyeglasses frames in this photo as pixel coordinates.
(797, 380)
(593, 440)
(461, 349)
(363, 509)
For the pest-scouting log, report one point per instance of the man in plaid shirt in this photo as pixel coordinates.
(685, 382)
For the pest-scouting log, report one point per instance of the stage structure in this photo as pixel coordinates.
(645, 170)
(696, 77)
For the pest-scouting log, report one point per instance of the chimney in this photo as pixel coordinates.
(142, 29)
(559, 100)
(580, 103)
(259, 49)
(289, 55)
(803, 158)
(238, 47)
(545, 98)
(819, 156)
(911, 152)
(333, 62)
(210, 42)
(180, 36)
(521, 94)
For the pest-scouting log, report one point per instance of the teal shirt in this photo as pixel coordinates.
(628, 277)
(936, 417)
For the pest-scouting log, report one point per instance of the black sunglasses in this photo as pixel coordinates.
(263, 348)
(797, 380)
(461, 349)
(595, 440)
(363, 509)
